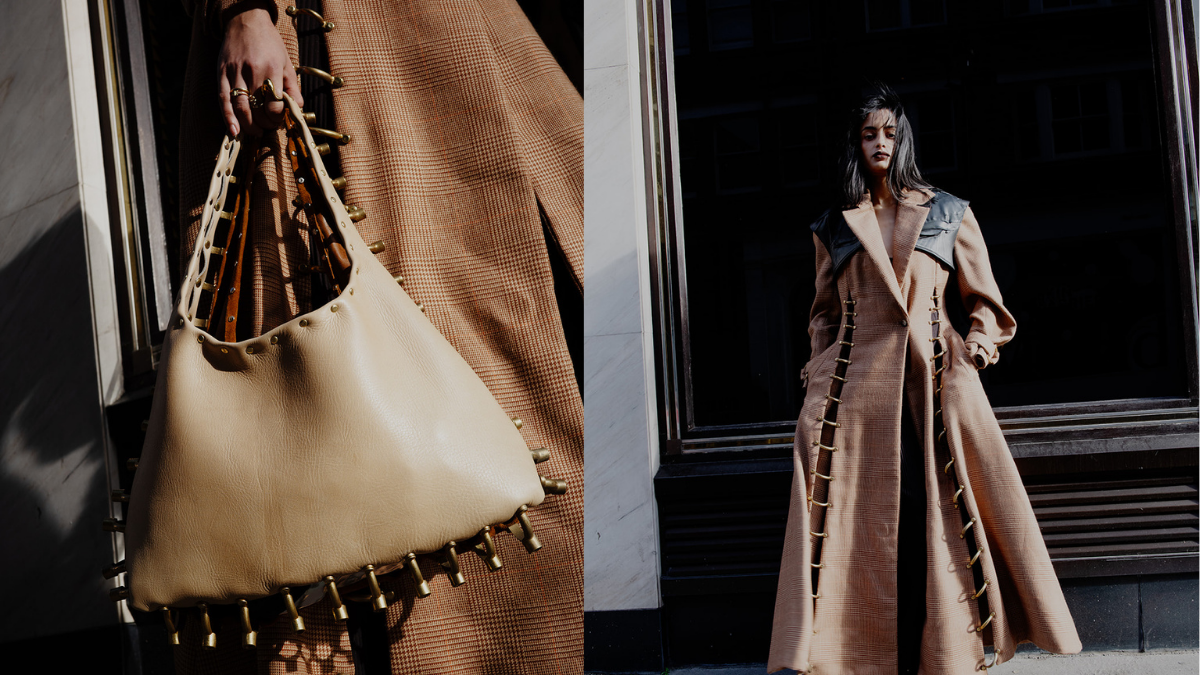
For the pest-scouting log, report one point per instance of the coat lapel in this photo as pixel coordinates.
(862, 222)
(910, 218)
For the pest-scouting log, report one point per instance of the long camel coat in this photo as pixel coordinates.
(895, 310)
(462, 125)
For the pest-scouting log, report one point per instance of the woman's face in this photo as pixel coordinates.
(877, 137)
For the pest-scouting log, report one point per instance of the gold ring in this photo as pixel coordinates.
(236, 92)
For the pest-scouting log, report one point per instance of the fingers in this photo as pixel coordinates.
(231, 123)
(241, 104)
(291, 85)
(270, 115)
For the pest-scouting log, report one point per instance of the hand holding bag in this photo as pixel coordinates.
(333, 448)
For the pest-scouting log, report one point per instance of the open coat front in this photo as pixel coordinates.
(881, 312)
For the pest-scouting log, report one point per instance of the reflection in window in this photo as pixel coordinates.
(790, 21)
(730, 24)
(1081, 116)
(895, 14)
(738, 159)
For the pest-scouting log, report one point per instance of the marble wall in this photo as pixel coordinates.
(58, 340)
(621, 558)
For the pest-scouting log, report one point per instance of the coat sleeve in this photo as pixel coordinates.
(826, 315)
(991, 324)
(212, 14)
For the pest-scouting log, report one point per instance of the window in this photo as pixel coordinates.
(730, 24)
(896, 14)
(790, 21)
(1081, 118)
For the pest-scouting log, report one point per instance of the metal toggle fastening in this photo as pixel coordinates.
(113, 525)
(974, 558)
(450, 564)
(356, 214)
(540, 455)
(957, 495)
(342, 139)
(825, 504)
(114, 570)
(410, 563)
(339, 183)
(339, 610)
(120, 496)
(818, 534)
(326, 26)
(486, 549)
(377, 247)
(210, 638)
(528, 539)
(131, 464)
(249, 635)
(172, 631)
(297, 620)
(118, 594)
(979, 629)
(553, 486)
(963, 534)
(981, 589)
(378, 600)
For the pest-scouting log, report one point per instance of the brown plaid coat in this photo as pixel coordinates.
(462, 124)
(852, 626)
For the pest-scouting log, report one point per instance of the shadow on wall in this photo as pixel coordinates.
(53, 488)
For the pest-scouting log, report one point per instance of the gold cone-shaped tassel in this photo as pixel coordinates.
(487, 550)
(297, 620)
(172, 632)
(113, 525)
(553, 486)
(410, 562)
(378, 599)
(540, 455)
(210, 638)
(118, 594)
(110, 572)
(450, 564)
(339, 610)
(528, 538)
(249, 635)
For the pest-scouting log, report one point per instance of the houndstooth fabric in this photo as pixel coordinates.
(851, 627)
(462, 125)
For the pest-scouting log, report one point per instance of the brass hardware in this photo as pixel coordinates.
(210, 638)
(274, 339)
(948, 464)
(334, 80)
(835, 425)
(825, 504)
(120, 496)
(217, 250)
(843, 342)
(850, 302)
(339, 183)
(820, 475)
(817, 566)
(356, 214)
(201, 323)
(398, 279)
(529, 540)
(957, 495)
(831, 448)
(935, 322)
(333, 307)
(113, 570)
(145, 424)
(327, 26)
(981, 589)
(410, 562)
(303, 323)
(250, 349)
(377, 247)
(309, 117)
(249, 635)
(818, 534)
(118, 594)
(553, 486)
(850, 314)
(816, 596)
(324, 149)
(517, 422)
(540, 455)
(225, 215)
(979, 629)
(113, 525)
(131, 464)
(963, 534)
(487, 550)
(205, 286)
(450, 564)
(297, 620)
(838, 378)
(421, 306)
(232, 179)
(172, 632)
(974, 558)
(378, 600)
(339, 610)
(342, 139)
(845, 361)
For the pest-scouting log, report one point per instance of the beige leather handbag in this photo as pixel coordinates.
(331, 449)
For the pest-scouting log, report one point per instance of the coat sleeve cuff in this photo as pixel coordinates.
(985, 354)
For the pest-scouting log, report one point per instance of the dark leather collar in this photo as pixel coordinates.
(936, 238)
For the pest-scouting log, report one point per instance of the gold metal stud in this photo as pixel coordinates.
(297, 620)
(303, 323)
(486, 549)
(113, 525)
(410, 563)
(528, 538)
(339, 183)
(421, 306)
(379, 601)
(113, 570)
(249, 635)
(274, 339)
(172, 632)
(210, 638)
(517, 422)
(339, 610)
(323, 149)
(309, 117)
(553, 486)
(120, 496)
(377, 247)
(540, 455)
(398, 279)
(356, 214)
(333, 307)
(449, 563)
(118, 594)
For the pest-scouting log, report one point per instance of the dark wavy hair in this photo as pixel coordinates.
(902, 173)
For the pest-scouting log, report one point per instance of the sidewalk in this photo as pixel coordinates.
(1157, 662)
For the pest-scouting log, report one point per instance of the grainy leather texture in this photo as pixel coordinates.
(350, 435)
(936, 237)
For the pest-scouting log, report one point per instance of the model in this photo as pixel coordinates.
(911, 544)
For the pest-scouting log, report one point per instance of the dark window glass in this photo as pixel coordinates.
(1032, 136)
(680, 32)
(730, 24)
(790, 20)
(927, 12)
